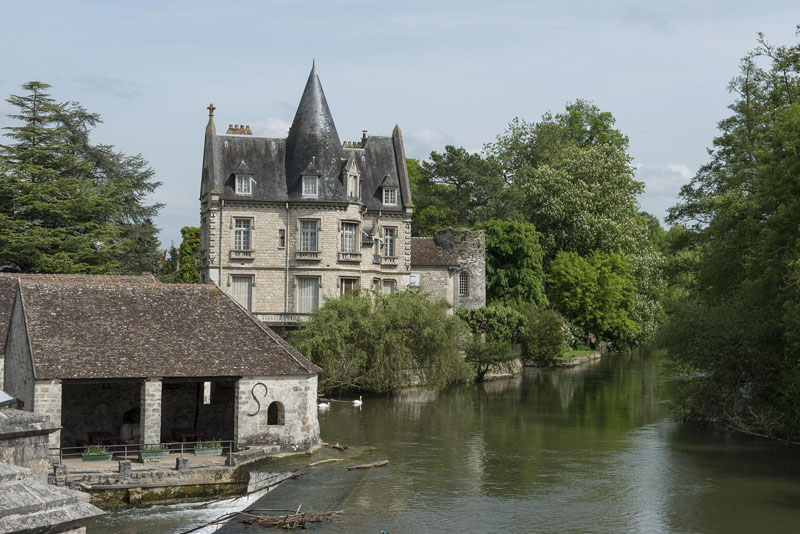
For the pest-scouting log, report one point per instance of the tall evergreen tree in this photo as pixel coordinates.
(68, 206)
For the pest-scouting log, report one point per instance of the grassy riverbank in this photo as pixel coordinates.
(575, 353)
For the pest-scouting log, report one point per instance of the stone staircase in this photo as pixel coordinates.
(29, 504)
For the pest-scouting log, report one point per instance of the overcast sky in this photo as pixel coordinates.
(448, 72)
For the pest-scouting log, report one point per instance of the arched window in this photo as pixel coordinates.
(463, 284)
(275, 413)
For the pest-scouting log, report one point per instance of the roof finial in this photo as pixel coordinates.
(211, 109)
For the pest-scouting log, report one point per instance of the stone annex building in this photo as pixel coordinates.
(288, 221)
(145, 361)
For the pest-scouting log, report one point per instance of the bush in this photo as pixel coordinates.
(155, 448)
(206, 445)
(494, 329)
(375, 342)
(95, 450)
(482, 355)
(542, 338)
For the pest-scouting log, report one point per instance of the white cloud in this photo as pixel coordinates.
(420, 143)
(662, 185)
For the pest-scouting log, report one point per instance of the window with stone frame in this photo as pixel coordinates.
(307, 293)
(242, 290)
(244, 184)
(310, 186)
(463, 284)
(346, 285)
(281, 238)
(390, 196)
(241, 238)
(309, 235)
(389, 286)
(349, 238)
(389, 242)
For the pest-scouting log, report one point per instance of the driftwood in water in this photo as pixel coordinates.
(329, 460)
(379, 463)
(289, 521)
(339, 447)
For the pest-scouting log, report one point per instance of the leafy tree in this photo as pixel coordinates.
(736, 334)
(513, 263)
(456, 189)
(67, 205)
(542, 336)
(168, 262)
(494, 328)
(189, 256)
(377, 342)
(597, 293)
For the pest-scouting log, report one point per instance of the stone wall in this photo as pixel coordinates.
(468, 247)
(269, 264)
(24, 439)
(47, 401)
(436, 281)
(96, 408)
(18, 377)
(150, 411)
(298, 396)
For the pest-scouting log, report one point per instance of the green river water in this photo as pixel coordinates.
(587, 449)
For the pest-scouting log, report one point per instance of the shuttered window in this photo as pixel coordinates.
(242, 290)
(388, 287)
(348, 284)
(307, 294)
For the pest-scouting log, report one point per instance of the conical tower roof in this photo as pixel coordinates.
(313, 139)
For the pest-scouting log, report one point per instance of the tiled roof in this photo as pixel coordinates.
(107, 327)
(8, 290)
(426, 253)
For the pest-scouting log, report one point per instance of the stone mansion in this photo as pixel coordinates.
(288, 221)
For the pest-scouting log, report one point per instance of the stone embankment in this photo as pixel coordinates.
(114, 484)
(577, 360)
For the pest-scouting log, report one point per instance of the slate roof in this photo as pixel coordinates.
(426, 253)
(114, 328)
(312, 145)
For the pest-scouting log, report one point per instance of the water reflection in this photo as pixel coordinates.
(587, 449)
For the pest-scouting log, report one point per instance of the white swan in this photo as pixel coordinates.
(357, 402)
(324, 405)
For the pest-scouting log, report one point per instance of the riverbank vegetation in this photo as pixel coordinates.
(734, 262)
(375, 342)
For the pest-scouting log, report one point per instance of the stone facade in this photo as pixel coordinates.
(24, 439)
(18, 376)
(47, 401)
(292, 420)
(274, 270)
(150, 412)
(468, 247)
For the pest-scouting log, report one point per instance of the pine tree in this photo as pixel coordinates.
(67, 206)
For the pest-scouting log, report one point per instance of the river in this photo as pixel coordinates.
(588, 449)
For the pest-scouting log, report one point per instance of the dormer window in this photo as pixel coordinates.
(244, 184)
(390, 196)
(352, 186)
(310, 186)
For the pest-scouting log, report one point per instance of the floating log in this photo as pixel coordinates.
(339, 447)
(329, 460)
(379, 463)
